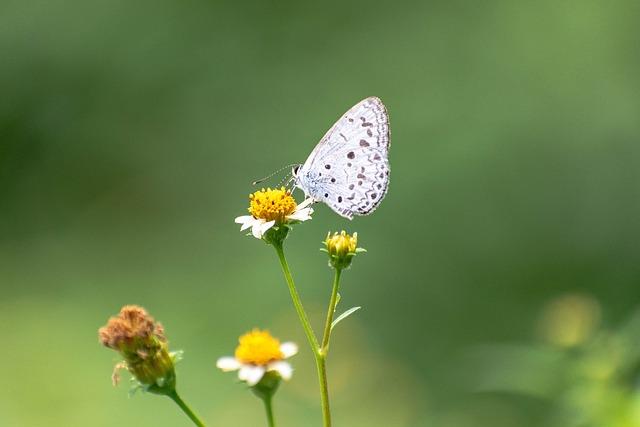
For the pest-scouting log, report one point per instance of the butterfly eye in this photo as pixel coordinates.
(295, 169)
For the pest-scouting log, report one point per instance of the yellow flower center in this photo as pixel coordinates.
(272, 205)
(258, 348)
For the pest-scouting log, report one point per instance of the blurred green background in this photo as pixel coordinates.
(502, 276)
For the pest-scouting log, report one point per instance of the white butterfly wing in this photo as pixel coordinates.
(349, 168)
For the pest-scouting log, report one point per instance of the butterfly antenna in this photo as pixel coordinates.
(273, 173)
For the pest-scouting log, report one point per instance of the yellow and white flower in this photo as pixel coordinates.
(257, 354)
(271, 208)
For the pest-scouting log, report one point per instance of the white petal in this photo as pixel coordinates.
(302, 215)
(242, 219)
(305, 203)
(288, 349)
(252, 374)
(267, 225)
(281, 367)
(262, 228)
(228, 364)
(246, 221)
(256, 229)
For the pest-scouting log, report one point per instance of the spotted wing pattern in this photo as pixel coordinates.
(349, 168)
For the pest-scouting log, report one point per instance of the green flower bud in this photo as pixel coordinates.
(341, 249)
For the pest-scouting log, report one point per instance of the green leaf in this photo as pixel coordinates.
(344, 316)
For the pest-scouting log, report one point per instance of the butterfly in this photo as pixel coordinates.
(349, 168)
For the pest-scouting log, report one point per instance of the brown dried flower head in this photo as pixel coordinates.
(141, 342)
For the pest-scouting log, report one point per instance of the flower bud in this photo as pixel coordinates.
(341, 249)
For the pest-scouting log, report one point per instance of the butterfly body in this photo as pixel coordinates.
(349, 168)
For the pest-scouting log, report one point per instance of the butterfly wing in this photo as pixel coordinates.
(349, 168)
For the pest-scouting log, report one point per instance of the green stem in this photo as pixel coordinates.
(324, 389)
(173, 395)
(332, 310)
(296, 298)
(269, 409)
(321, 355)
(320, 358)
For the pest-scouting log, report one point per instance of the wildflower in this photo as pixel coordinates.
(341, 249)
(257, 355)
(273, 209)
(141, 342)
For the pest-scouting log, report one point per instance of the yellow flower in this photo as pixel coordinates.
(271, 208)
(341, 249)
(141, 342)
(257, 354)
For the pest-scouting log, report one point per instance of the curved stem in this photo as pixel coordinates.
(320, 357)
(185, 408)
(296, 298)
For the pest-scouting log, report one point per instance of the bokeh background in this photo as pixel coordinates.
(502, 279)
